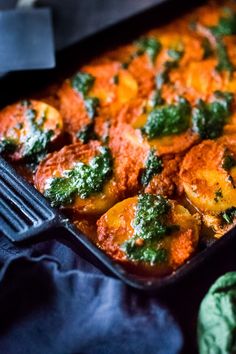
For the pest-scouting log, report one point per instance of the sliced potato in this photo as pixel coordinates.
(27, 129)
(56, 165)
(208, 185)
(115, 227)
(130, 162)
(112, 86)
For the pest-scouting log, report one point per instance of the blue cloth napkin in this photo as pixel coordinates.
(54, 302)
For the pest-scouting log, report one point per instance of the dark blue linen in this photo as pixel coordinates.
(53, 301)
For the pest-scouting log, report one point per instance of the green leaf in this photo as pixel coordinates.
(217, 317)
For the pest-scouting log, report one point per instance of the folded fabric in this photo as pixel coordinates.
(44, 309)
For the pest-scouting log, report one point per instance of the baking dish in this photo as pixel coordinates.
(90, 47)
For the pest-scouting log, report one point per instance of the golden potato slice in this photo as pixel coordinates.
(164, 145)
(28, 128)
(116, 227)
(131, 155)
(208, 184)
(76, 200)
(112, 86)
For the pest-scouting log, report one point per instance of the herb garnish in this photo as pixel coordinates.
(227, 23)
(209, 118)
(153, 166)
(228, 215)
(8, 145)
(218, 195)
(37, 140)
(163, 77)
(82, 83)
(83, 180)
(150, 226)
(149, 45)
(168, 120)
(228, 162)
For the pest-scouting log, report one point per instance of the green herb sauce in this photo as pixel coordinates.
(86, 133)
(224, 63)
(82, 83)
(150, 226)
(164, 76)
(153, 166)
(8, 146)
(83, 180)
(228, 215)
(226, 25)
(149, 45)
(37, 140)
(209, 118)
(168, 120)
(218, 195)
(228, 162)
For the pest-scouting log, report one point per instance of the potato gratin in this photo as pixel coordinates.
(139, 146)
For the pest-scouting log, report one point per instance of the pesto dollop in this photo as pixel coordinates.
(225, 27)
(34, 145)
(83, 180)
(150, 226)
(164, 76)
(83, 82)
(153, 166)
(149, 45)
(227, 23)
(168, 120)
(37, 140)
(209, 118)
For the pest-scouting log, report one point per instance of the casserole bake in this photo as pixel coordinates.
(140, 142)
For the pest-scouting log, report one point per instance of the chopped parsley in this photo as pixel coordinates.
(153, 166)
(149, 45)
(209, 118)
(150, 226)
(228, 215)
(83, 180)
(168, 120)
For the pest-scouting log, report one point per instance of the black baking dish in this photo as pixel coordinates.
(18, 85)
